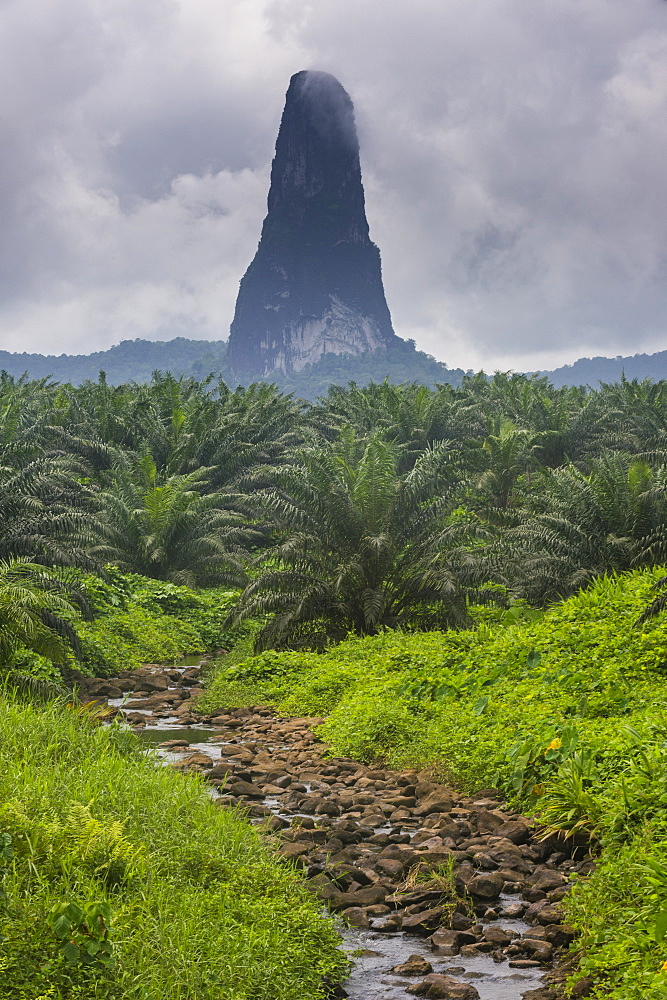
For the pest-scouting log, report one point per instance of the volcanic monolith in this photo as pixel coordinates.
(315, 284)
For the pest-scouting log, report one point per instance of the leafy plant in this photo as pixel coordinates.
(83, 932)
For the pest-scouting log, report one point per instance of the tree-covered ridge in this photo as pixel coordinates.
(137, 360)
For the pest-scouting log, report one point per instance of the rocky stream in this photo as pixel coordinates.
(438, 895)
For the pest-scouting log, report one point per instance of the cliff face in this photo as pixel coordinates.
(315, 284)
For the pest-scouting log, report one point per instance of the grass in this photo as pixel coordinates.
(200, 909)
(565, 711)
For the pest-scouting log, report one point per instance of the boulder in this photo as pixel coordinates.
(439, 987)
(414, 965)
(486, 885)
(437, 801)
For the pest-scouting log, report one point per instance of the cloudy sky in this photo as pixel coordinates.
(514, 156)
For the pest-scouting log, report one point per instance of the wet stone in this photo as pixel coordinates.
(369, 841)
(415, 965)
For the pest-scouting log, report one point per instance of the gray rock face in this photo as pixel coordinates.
(315, 284)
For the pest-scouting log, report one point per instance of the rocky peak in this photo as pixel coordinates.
(315, 284)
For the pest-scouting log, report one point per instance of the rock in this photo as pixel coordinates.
(422, 922)
(367, 896)
(390, 867)
(583, 987)
(153, 682)
(194, 762)
(546, 880)
(356, 916)
(220, 770)
(415, 965)
(245, 788)
(439, 987)
(540, 950)
(560, 935)
(513, 911)
(486, 885)
(488, 822)
(104, 689)
(292, 851)
(314, 286)
(544, 993)
(515, 830)
(498, 936)
(448, 942)
(550, 914)
(437, 801)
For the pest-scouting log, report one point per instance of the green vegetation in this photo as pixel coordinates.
(368, 518)
(123, 880)
(363, 547)
(564, 710)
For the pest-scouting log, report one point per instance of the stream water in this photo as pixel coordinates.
(373, 953)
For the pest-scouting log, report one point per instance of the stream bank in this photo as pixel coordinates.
(441, 895)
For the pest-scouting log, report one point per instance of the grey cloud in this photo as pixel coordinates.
(513, 156)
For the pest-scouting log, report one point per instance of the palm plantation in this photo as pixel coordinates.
(362, 547)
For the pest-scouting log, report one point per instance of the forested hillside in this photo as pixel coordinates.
(137, 360)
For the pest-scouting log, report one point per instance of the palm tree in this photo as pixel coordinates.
(509, 453)
(363, 547)
(576, 526)
(163, 527)
(46, 513)
(35, 611)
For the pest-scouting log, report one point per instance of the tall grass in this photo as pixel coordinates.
(200, 909)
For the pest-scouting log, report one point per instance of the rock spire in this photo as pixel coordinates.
(315, 284)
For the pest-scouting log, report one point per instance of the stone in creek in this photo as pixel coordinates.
(414, 965)
(390, 867)
(439, 987)
(367, 896)
(498, 936)
(449, 942)
(422, 922)
(326, 808)
(547, 880)
(489, 822)
(550, 914)
(195, 762)
(514, 830)
(153, 682)
(541, 950)
(356, 916)
(221, 770)
(544, 993)
(245, 788)
(486, 886)
(513, 911)
(135, 718)
(104, 689)
(293, 851)
(438, 801)
(175, 745)
(560, 935)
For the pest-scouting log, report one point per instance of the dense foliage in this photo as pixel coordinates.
(120, 879)
(384, 505)
(368, 518)
(564, 710)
